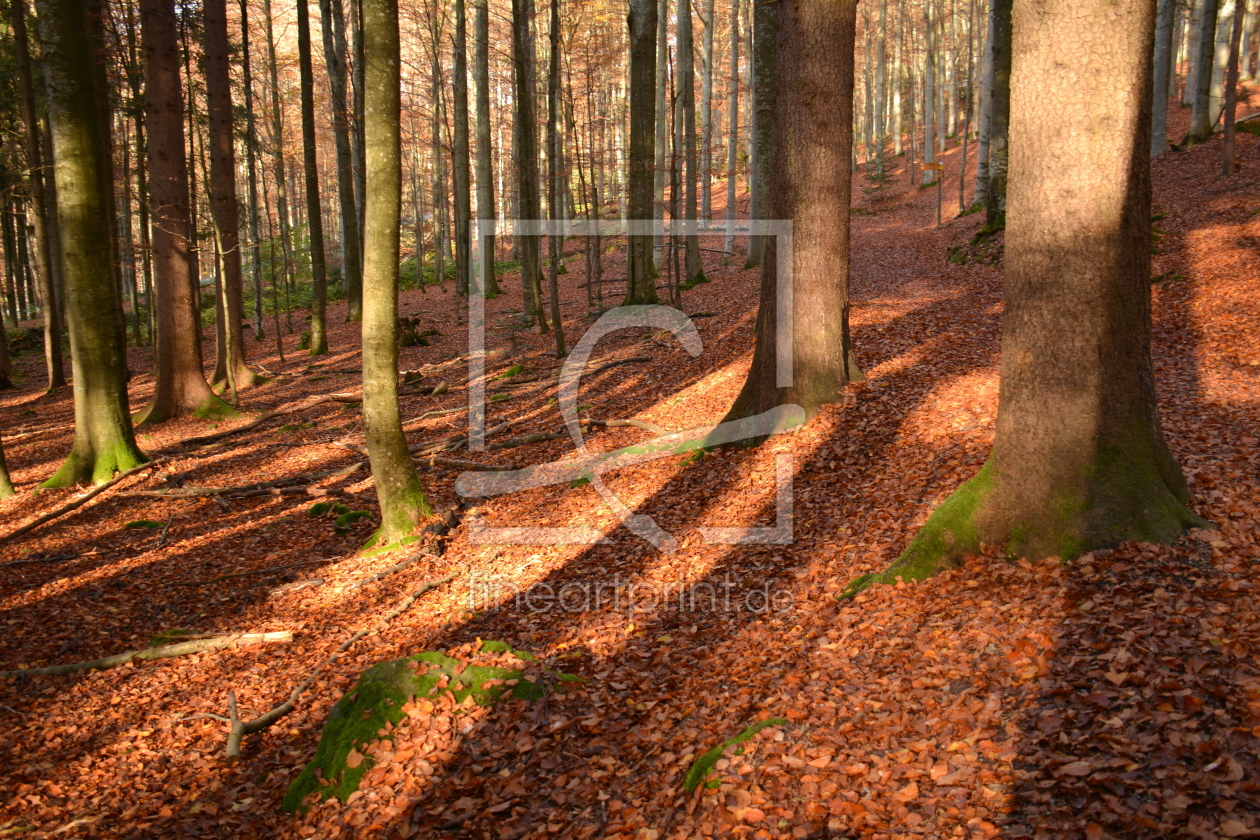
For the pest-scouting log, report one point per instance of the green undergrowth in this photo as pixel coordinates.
(369, 712)
(703, 765)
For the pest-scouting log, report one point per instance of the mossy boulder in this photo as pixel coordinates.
(369, 712)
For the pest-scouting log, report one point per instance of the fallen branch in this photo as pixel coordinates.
(145, 654)
(439, 413)
(52, 558)
(79, 502)
(523, 440)
(271, 415)
(258, 488)
(456, 464)
(251, 572)
(239, 728)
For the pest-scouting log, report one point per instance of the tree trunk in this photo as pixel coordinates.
(460, 158)
(555, 163)
(706, 113)
(881, 58)
(765, 17)
(732, 142)
(1228, 164)
(251, 148)
(809, 167)
(687, 110)
(661, 147)
(402, 499)
(333, 29)
(1200, 116)
(999, 117)
(641, 272)
(44, 244)
(1079, 462)
(223, 192)
(103, 437)
(485, 162)
(277, 159)
(527, 162)
(1163, 65)
(314, 212)
(930, 115)
(180, 387)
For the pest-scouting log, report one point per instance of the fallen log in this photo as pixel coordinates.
(145, 654)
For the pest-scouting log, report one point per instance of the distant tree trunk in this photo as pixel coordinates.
(881, 59)
(999, 116)
(810, 175)
(1200, 116)
(180, 387)
(706, 113)
(103, 437)
(402, 499)
(333, 27)
(1163, 65)
(986, 111)
(314, 211)
(527, 162)
(485, 161)
(555, 165)
(641, 279)
(277, 157)
(1220, 59)
(930, 115)
(251, 155)
(223, 194)
(732, 142)
(765, 17)
(460, 158)
(44, 244)
(1228, 164)
(661, 147)
(1079, 462)
(687, 111)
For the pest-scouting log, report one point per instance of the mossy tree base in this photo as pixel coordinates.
(97, 466)
(210, 407)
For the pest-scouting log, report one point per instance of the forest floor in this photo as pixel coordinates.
(1117, 697)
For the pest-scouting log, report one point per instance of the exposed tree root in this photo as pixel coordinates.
(79, 502)
(239, 728)
(164, 652)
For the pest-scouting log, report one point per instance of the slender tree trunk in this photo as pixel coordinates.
(103, 437)
(1079, 462)
(881, 59)
(1200, 116)
(687, 111)
(999, 117)
(223, 193)
(810, 182)
(333, 28)
(527, 162)
(765, 17)
(1163, 69)
(706, 113)
(1228, 164)
(555, 162)
(314, 212)
(44, 243)
(6, 485)
(485, 161)
(402, 499)
(930, 115)
(986, 109)
(460, 158)
(641, 279)
(732, 143)
(180, 387)
(251, 156)
(277, 157)
(661, 147)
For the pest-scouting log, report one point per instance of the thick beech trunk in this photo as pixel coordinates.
(527, 162)
(810, 166)
(641, 280)
(1079, 461)
(402, 499)
(103, 437)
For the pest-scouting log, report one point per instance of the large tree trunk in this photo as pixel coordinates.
(485, 162)
(460, 158)
(765, 15)
(402, 499)
(223, 193)
(527, 162)
(44, 244)
(333, 27)
(314, 211)
(180, 387)
(810, 167)
(103, 437)
(641, 280)
(1079, 462)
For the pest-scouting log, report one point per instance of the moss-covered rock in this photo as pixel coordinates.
(369, 712)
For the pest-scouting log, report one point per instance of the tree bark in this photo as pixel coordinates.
(732, 137)
(460, 158)
(1079, 462)
(1200, 116)
(999, 117)
(641, 272)
(706, 112)
(251, 166)
(180, 387)
(765, 16)
(1228, 164)
(1163, 65)
(223, 192)
(402, 499)
(44, 244)
(103, 437)
(687, 112)
(555, 165)
(333, 29)
(485, 162)
(277, 161)
(527, 162)
(809, 168)
(314, 211)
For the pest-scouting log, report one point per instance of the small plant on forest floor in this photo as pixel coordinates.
(1167, 278)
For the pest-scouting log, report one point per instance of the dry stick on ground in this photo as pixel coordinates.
(431, 547)
(239, 728)
(91, 494)
(258, 488)
(253, 572)
(164, 652)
